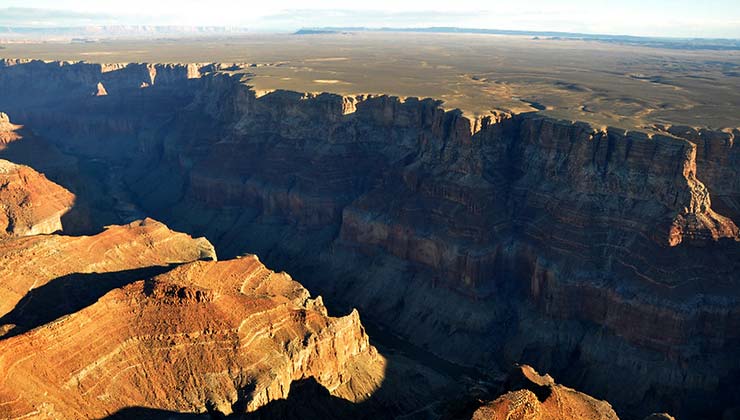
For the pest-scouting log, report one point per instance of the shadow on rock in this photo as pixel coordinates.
(68, 294)
(308, 400)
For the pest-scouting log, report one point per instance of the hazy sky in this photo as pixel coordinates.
(693, 18)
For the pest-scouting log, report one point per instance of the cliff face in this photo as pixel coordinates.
(532, 222)
(67, 79)
(597, 254)
(237, 331)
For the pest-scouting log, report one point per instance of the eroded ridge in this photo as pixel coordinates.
(32, 262)
(190, 340)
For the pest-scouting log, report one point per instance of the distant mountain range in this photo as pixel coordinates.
(656, 42)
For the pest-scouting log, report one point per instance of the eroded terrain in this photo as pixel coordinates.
(606, 256)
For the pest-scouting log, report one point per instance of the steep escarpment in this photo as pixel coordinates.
(66, 78)
(95, 205)
(717, 157)
(597, 254)
(31, 204)
(597, 229)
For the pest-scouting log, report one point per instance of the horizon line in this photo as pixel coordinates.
(4, 29)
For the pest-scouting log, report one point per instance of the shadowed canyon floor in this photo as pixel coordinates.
(606, 257)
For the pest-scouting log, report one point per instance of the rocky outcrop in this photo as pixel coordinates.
(597, 254)
(30, 203)
(217, 337)
(7, 130)
(535, 397)
(92, 209)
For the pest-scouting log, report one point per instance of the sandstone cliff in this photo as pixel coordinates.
(7, 129)
(85, 308)
(597, 254)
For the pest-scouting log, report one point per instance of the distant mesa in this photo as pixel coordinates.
(309, 31)
(717, 44)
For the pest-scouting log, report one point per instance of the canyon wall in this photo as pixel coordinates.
(606, 257)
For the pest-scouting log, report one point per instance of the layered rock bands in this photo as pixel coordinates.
(609, 258)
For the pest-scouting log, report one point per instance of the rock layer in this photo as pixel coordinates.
(205, 337)
(34, 261)
(597, 254)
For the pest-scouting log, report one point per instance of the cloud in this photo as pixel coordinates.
(54, 18)
(369, 18)
(22, 16)
(288, 15)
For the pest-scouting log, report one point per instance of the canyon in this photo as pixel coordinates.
(606, 257)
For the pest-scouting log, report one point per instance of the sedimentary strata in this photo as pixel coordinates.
(207, 336)
(598, 254)
(32, 262)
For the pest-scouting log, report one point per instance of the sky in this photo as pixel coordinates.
(677, 18)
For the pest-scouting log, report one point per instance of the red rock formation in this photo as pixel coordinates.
(91, 209)
(535, 397)
(100, 90)
(30, 204)
(32, 262)
(205, 336)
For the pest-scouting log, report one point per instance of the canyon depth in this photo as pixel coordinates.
(603, 256)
